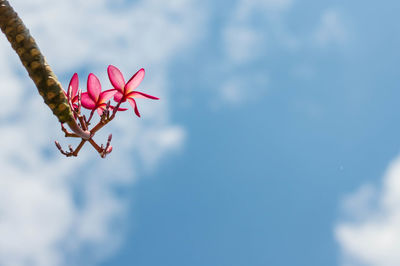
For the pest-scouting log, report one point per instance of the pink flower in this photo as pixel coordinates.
(72, 90)
(94, 98)
(126, 91)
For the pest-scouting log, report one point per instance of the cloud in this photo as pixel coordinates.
(238, 90)
(370, 235)
(246, 9)
(331, 30)
(11, 88)
(257, 32)
(243, 43)
(245, 38)
(63, 211)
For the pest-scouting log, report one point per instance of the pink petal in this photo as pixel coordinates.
(102, 106)
(106, 95)
(109, 149)
(138, 94)
(134, 105)
(119, 108)
(100, 111)
(135, 80)
(87, 101)
(116, 78)
(93, 87)
(118, 96)
(73, 85)
(75, 99)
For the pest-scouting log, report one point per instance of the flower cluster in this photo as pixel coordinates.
(96, 100)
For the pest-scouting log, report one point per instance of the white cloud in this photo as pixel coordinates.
(157, 141)
(243, 42)
(245, 38)
(331, 30)
(258, 30)
(231, 92)
(55, 209)
(371, 233)
(237, 90)
(246, 9)
(11, 88)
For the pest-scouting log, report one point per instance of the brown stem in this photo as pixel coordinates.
(83, 122)
(104, 122)
(71, 151)
(94, 144)
(74, 127)
(67, 133)
(34, 62)
(79, 147)
(90, 116)
(100, 150)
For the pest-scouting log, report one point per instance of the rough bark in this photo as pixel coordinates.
(34, 62)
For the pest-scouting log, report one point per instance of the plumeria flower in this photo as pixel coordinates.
(94, 98)
(126, 91)
(72, 90)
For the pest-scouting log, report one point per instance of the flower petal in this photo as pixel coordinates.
(138, 94)
(106, 95)
(109, 149)
(93, 87)
(73, 85)
(134, 106)
(116, 78)
(135, 80)
(87, 101)
(75, 99)
(118, 96)
(100, 111)
(119, 108)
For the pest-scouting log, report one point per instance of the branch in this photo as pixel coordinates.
(34, 62)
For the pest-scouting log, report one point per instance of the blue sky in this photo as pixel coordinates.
(275, 141)
(260, 182)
